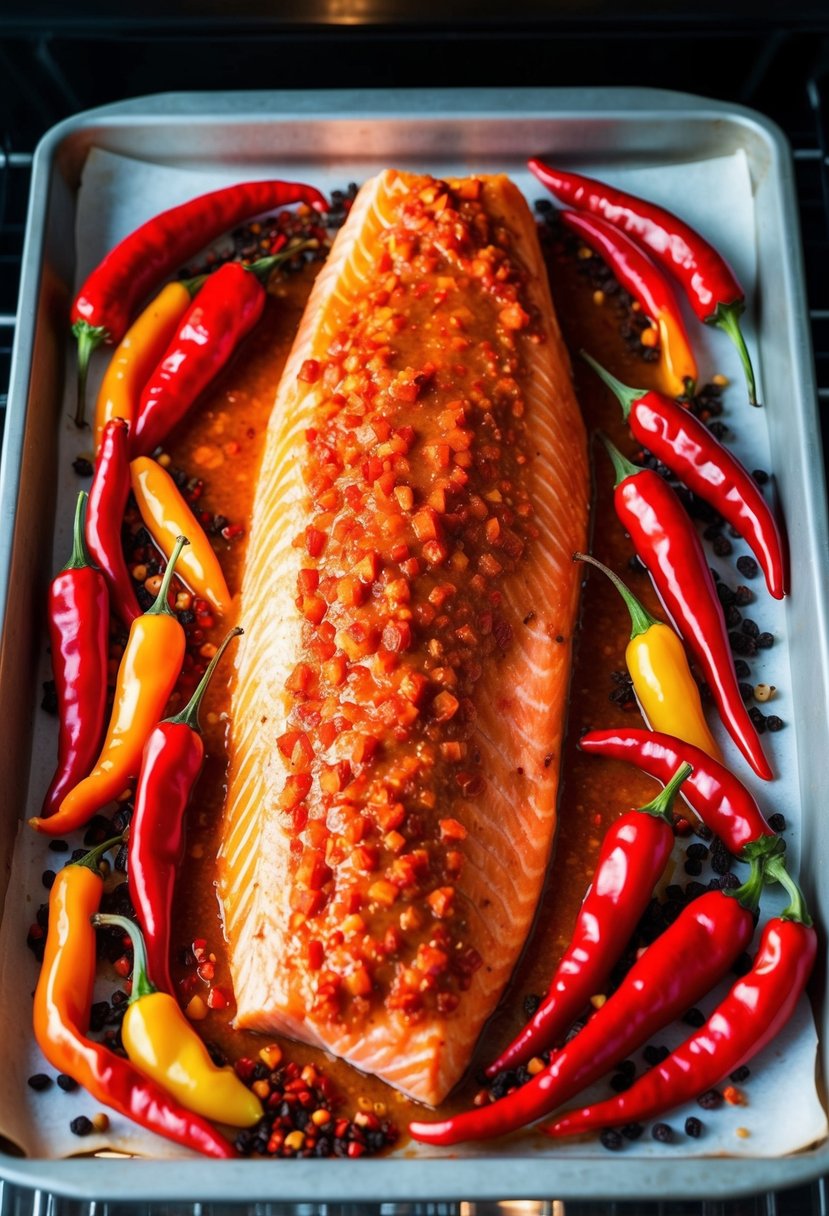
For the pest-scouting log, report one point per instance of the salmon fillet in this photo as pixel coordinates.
(409, 600)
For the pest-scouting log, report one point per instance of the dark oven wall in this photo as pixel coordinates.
(58, 58)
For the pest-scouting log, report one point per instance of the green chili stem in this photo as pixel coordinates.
(640, 619)
(624, 393)
(623, 467)
(161, 605)
(727, 318)
(89, 339)
(796, 909)
(661, 805)
(80, 557)
(91, 859)
(142, 985)
(189, 716)
(751, 890)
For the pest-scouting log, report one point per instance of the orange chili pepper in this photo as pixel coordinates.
(149, 669)
(166, 515)
(138, 354)
(61, 1016)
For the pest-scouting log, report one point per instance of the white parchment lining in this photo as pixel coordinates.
(784, 1113)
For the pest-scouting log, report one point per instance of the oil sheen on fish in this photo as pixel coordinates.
(409, 601)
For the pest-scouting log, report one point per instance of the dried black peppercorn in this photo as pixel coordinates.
(663, 1133)
(611, 1139)
(39, 1081)
(777, 822)
(693, 1127)
(81, 1126)
(712, 1099)
(747, 566)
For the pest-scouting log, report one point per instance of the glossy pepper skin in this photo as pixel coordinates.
(107, 502)
(110, 295)
(62, 1003)
(634, 853)
(138, 354)
(78, 614)
(676, 971)
(166, 516)
(160, 1041)
(754, 1012)
(719, 798)
(665, 688)
(647, 284)
(709, 282)
(172, 760)
(149, 668)
(667, 543)
(223, 313)
(686, 446)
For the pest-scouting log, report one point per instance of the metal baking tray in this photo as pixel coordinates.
(488, 126)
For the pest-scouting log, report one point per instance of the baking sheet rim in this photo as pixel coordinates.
(382, 1180)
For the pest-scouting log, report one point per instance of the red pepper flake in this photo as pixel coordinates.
(310, 371)
(441, 901)
(295, 789)
(445, 706)
(450, 829)
(734, 1096)
(314, 541)
(217, 998)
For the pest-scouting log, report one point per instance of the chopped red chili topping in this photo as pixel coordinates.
(414, 474)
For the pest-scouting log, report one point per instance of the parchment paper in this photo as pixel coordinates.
(116, 195)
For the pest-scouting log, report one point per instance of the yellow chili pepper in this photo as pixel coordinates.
(138, 353)
(166, 515)
(665, 688)
(149, 668)
(161, 1042)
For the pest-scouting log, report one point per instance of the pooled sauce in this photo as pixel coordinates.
(222, 443)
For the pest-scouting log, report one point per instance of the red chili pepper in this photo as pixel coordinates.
(709, 282)
(722, 801)
(129, 272)
(688, 449)
(78, 611)
(677, 970)
(647, 284)
(667, 543)
(107, 502)
(222, 314)
(755, 1010)
(172, 761)
(633, 855)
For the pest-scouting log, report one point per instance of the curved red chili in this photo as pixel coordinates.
(110, 295)
(721, 800)
(647, 284)
(223, 313)
(706, 466)
(709, 282)
(754, 1012)
(667, 543)
(172, 761)
(634, 853)
(677, 970)
(107, 501)
(78, 613)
